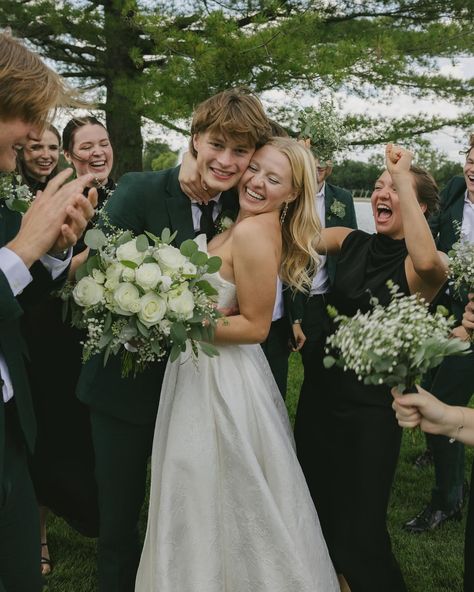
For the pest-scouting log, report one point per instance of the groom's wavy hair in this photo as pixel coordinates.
(29, 90)
(236, 113)
(301, 228)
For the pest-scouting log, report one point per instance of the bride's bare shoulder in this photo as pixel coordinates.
(256, 227)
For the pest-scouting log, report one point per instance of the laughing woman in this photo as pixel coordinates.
(38, 161)
(63, 465)
(348, 446)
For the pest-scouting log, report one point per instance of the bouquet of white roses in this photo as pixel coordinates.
(394, 345)
(16, 195)
(142, 297)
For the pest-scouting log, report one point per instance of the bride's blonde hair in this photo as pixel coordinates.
(301, 228)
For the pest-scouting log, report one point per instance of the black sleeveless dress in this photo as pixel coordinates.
(62, 467)
(349, 443)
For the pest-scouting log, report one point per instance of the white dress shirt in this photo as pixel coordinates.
(467, 228)
(320, 284)
(18, 277)
(197, 213)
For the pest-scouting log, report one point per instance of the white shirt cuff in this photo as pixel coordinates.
(56, 266)
(16, 272)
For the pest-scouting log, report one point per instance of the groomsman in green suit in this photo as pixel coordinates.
(309, 317)
(225, 131)
(453, 380)
(31, 263)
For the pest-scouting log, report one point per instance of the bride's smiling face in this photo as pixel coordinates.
(267, 183)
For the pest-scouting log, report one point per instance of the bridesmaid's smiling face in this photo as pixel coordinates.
(91, 152)
(267, 183)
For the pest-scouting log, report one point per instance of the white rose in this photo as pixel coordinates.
(128, 274)
(114, 271)
(181, 302)
(148, 275)
(153, 309)
(170, 258)
(165, 283)
(125, 295)
(189, 268)
(111, 284)
(98, 276)
(128, 252)
(88, 292)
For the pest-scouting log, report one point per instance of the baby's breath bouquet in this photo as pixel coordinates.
(461, 267)
(394, 345)
(324, 127)
(16, 195)
(141, 297)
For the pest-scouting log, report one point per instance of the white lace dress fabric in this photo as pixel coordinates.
(229, 507)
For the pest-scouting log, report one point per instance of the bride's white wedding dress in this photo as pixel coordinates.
(229, 507)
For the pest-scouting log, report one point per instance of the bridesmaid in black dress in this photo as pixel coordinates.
(348, 442)
(63, 464)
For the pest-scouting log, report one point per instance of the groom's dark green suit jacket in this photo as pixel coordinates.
(142, 201)
(445, 226)
(12, 346)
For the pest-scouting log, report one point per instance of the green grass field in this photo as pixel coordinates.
(430, 562)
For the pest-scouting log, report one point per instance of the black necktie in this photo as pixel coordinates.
(206, 224)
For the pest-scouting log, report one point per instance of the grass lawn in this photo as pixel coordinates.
(430, 562)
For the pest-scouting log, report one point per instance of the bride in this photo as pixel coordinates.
(229, 507)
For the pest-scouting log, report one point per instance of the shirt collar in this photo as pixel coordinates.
(216, 198)
(320, 193)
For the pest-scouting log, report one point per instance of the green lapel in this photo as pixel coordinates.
(329, 198)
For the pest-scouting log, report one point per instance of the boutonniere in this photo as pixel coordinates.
(15, 194)
(338, 209)
(224, 221)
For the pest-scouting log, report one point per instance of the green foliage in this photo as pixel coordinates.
(158, 60)
(158, 156)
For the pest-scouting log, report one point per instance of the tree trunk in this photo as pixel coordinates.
(124, 104)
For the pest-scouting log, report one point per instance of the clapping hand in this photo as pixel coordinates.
(56, 219)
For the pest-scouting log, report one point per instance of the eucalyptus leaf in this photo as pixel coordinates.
(188, 247)
(125, 237)
(130, 264)
(174, 353)
(198, 258)
(209, 349)
(142, 243)
(92, 263)
(178, 332)
(329, 361)
(213, 264)
(165, 235)
(95, 238)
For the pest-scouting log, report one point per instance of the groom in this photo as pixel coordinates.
(225, 131)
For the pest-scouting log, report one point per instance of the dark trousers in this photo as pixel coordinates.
(20, 549)
(315, 325)
(277, 352)
(453, 383)
(122, 451)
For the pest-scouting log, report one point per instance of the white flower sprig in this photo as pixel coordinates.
(461, 267)
(394, 345)
(324, 127)
(16, 195)
(143, 297)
